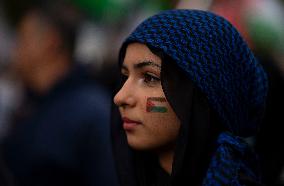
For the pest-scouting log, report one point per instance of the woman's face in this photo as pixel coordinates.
(148, 119)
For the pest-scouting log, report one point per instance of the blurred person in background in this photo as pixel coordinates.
(60, 134)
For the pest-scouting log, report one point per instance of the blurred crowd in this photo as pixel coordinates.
(49, 48)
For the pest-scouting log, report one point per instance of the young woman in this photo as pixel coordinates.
(191, 94)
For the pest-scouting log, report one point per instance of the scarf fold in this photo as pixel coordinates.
(228, 163)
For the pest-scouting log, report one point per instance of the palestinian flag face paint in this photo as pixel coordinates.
(156, 104)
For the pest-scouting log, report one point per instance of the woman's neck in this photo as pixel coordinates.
(166, 160)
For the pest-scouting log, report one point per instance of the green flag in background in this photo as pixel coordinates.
(114, 10)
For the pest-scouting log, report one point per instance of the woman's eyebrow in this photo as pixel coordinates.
(146, 63)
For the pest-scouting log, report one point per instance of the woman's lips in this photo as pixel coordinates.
(129, 124)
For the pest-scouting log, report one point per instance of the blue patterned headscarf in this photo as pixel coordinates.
(218, 61)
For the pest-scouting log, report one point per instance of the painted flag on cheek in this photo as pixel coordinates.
(156, 104)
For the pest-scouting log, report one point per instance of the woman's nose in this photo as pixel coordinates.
(125, 96)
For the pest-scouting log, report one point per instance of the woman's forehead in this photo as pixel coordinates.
(137, 52)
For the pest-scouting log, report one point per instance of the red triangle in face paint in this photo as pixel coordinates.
(150, 103)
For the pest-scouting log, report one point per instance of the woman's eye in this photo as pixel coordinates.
(150, 79)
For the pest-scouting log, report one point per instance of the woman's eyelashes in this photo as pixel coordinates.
(150, 78)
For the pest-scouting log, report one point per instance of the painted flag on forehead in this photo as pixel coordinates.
(156, 104)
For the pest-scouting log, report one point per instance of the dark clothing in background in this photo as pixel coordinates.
(5, 176)
(63, 138)
(270, 139)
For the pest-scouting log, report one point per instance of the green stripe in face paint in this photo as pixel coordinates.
(155, 104)
(158, 109)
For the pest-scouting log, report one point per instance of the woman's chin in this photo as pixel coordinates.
(137, 144)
